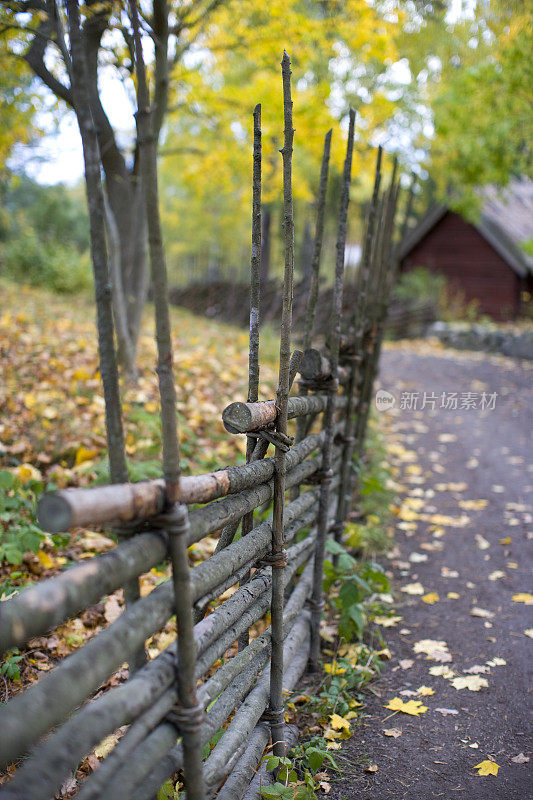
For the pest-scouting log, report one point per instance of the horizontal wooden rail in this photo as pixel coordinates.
(128, 502)
(246, 417)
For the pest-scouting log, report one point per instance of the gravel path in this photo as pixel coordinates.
(446, 459)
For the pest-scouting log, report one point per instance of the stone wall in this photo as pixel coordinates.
(464, 336)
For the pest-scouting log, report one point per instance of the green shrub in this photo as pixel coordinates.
(26, 259)
(19, 531)
(420, 284)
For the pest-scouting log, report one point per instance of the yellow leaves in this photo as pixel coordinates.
(27, 472)
(30, 401)
(487, 768)
(523, 597)
(413, 588)
(453, 596)
(81, 374)
(46, 560)
(506, 540)
(425, 690)
(473, 505)
(334, 668)
(105, 746)
(83, 454)
(472, 682)
(482, 543)
(412, 707)
(431, 598)
(339, 723)
(529, 632)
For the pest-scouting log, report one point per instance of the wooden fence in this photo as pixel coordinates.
(176, 703)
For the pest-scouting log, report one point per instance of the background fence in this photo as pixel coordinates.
(176, 703)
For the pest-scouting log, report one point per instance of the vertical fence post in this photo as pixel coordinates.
(359, 321)
(317, 599)
(255, 294)
(276, 711)
(382, 283)
(187, 714)
(312, 296)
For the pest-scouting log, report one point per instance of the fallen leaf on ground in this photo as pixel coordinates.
(446, 572)
(477, 669)
(444, 672)
(406, 663)
(372, 768)
(520, 759)
(431, 598)
(446, 711)
(413, 588)
(334, 668)
(507, 540)
(482, 543)
(105, 747)
(497, 662)
(472, 682)
(473, 505)
(498, 573)
(46, 560)
(423, 690)
(338, 723)
(396, 732)
(453, 595)
(387, 622)
(523, 597)
(487, 768)
(481, 612)
(418, 558)
(412, 707)
(435, 650)
(112, 609)
(447, 437)
(529, 632)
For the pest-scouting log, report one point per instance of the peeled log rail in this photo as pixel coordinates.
(125, 502)
(245, 417)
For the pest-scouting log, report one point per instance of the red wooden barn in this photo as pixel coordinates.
(484, 260)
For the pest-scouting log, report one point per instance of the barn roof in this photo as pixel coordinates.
(506, 222)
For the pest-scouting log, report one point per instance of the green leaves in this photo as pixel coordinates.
(278, 791)
(18, 530)
(10, 668)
